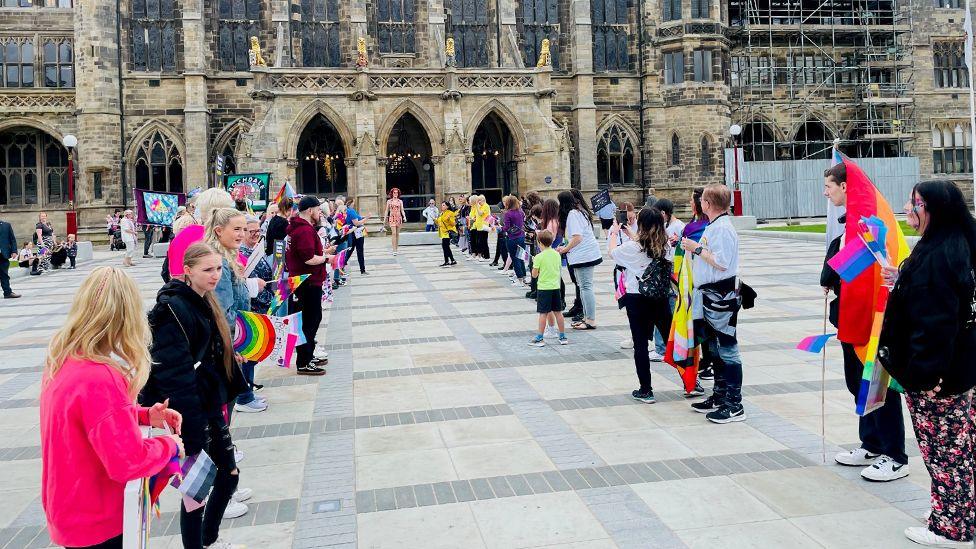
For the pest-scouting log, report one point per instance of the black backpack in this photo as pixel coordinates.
(655, 282)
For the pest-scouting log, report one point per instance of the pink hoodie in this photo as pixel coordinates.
(91, 446)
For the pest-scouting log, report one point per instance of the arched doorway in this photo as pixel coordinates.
(408, 165)
(812, 141)
(758, 143)
(321, 159)
(494, 172)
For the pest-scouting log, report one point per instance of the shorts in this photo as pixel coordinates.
(548, 301)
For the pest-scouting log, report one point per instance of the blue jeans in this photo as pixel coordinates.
(513, 246)
(728, 372)
(584, 279)
(247, 369)
(660, 344)
(429, 228)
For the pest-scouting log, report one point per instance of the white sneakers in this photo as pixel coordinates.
(655, 357)
(923, 536)
(238, 455)
(877, 467)
(627, 343)
(252, 407)
(234, 509)
(242, 495)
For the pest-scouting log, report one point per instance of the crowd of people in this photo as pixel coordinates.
(99, 361)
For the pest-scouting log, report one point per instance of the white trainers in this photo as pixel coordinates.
(627, 343)
(319, 352)
(234, 509)
(238, 455)
(252, 407)
(885, 470)
(923, 536)
(655, 357)
(224, 544)
(242, 494)
(858, 457)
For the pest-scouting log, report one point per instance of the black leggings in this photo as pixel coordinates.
(114, 543)
(479, 243)
(358, 244)
(201, 527)
(446, 246)
(501, 248)
(644, 314)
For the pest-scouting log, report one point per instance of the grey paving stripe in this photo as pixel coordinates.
(168, 524)
(562, 445)
(330, 462)
(18, 383)
(387, 343)
(583, 480)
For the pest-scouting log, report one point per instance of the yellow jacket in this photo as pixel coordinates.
(479, 217)
(447, 221)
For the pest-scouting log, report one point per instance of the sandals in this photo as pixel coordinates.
(583, 325)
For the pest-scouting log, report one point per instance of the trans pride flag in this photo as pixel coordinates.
(865, 296)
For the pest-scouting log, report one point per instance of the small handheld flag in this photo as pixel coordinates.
(815, 343)
(199, 473)
(852, 260)
(522, 254)
(254, 336)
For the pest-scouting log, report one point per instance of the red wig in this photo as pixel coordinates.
(394, 190)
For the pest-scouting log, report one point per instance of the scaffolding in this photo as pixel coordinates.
(805, 72)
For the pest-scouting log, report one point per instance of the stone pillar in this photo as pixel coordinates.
(368, 175)
(437, 35)
(97, 109)
(196, 117)
(584, 110)
(454, 170)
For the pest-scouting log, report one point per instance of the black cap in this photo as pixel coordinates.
(308, 202)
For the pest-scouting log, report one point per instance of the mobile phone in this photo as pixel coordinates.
(621, 216)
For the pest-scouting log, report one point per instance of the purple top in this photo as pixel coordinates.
(514, 223)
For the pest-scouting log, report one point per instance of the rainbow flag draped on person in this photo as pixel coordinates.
(865, 296)
(682, 348)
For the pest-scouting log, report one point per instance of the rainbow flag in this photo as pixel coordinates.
(284, 287)
(815, 343)
(254, 336)
(285, 190)
(865, 297)
(681, 351)
(158, 481)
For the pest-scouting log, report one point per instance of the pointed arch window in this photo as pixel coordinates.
(538, 20)
(33, 168)
(17, 63)
(949, 65)
(158, 164)
(228, 147)
(706, 156)
(319, 33)
(952, 148)
(675, 157)
(469, 27)
(59, 71)
(155, 31)
(615, 158)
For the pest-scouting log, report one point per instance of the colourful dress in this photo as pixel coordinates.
(395, 207)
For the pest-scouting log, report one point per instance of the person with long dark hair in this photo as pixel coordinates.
(647, 286)
(927, 343)
(513, 225)
(582, 252)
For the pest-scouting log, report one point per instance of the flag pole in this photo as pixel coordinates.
(968, 24)
(823, 389)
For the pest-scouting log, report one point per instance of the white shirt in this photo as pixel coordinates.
(430, 214)
(128, 229)
(588, 249)
(722, 241)
(632, 258)
(674, 229)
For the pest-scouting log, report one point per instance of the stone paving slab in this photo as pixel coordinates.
(566, 458)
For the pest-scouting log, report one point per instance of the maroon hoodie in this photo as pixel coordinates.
(303, 245)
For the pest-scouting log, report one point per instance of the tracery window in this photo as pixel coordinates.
(17, 63)
(469, 27)
(611, 29)
(671, 10)
(158, 164)
(675, 156)
(540, 20)
(395, 22)
(29, 157)
(949, 65)
(615, 158)
(952, 148)
(59, 71)
(154, 29)
(237, 22)
(319, 32)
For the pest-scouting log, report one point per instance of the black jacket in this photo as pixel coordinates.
(277, 230)
(929, 330)
(8, 243)
(184, 333)
(830, 279)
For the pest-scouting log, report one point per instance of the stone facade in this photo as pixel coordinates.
(574, 124)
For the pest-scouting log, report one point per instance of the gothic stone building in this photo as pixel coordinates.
(639, 94)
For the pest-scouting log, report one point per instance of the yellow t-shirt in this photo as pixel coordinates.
(480, 215)
(447, 221)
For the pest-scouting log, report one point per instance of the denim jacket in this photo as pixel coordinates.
(232, 294)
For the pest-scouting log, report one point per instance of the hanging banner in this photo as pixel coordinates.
(250, 187)
(157, 208)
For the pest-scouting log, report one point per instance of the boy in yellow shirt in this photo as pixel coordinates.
(546, 267)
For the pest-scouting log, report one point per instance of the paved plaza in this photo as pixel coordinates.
(438, 426)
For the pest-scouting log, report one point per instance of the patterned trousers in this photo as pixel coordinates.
(946, 432)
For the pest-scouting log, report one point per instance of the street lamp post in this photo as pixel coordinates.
(70, 142)
(734, 131)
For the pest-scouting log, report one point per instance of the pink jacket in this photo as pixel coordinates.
(91, 446)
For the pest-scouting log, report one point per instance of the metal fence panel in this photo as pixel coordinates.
(794, 188)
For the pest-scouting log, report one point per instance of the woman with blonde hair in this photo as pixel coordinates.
(129, 236)
(91, 445)
(480, 211)
(195, 369)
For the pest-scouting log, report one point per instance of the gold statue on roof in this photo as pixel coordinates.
(361, 59)
(255, 57)
(545, 60)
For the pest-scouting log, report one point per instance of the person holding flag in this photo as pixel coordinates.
(927, 344)
(306, 255)
(882, 432)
